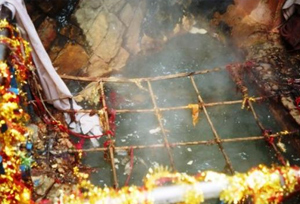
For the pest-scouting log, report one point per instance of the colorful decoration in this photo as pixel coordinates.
(12, 117)
(261, 185)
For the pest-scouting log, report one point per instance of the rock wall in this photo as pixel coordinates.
(112, 29)
(98, 38)
(254, 28)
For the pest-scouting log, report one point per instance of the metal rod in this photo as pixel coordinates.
(111, 146)
(175, 144)
(145, 79)
(280, 157)
(159, 117)
(216, 135)
(167, 108)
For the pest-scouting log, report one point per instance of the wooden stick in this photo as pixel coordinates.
(111, 146)
(144, 79)
(216, 135)
(159, 117)
(175, 144)
(167, 108)
(280, 157)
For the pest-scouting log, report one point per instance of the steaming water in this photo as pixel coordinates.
(184, 54)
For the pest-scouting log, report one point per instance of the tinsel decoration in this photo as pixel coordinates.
(261, 185)
(12, 116)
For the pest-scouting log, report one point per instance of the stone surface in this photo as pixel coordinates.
(247, 18)
(112, 31)
(97, 67)
(110, 45)
(57, 46)
(120, 60)
(126, 14)
(71, 59)
(98, 30)
(73, 33)
(132, 36)
(47, 32)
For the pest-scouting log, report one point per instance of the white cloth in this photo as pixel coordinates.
(53, 86)
(289, 7)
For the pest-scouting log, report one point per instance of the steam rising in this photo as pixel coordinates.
(185, 52)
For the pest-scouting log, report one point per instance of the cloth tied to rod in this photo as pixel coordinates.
(53, 86)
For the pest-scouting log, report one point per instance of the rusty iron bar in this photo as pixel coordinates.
(111, 146)
(244, 90)
(175, 144)
(278, 153)
(168, 108)
(159, 117)
(144, 79)
(216, 135)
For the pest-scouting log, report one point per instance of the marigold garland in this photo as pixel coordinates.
(12, 117)
(262, 185)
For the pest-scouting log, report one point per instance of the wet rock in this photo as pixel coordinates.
(261, 13)
(288, 103)
(88, 93)
(47, 32)
(73, 33)
(296, 115)
(97, 67)
(247, 19)
(98, 30)
(46, 6)
(120, 60)
(111, 43)
(133, 32)
(126, 14)
(114, 6)
(71, 59)
(57, 46)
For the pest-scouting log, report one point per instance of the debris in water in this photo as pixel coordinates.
(154, 131)
(195, 30)
(190, 162)
(281, 146)
(189, 149)
(127, 169)
(122, 152)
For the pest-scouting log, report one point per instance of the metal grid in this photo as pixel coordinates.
(245, 101)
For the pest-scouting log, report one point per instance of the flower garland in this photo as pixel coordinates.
(12, 117)
(262, 185)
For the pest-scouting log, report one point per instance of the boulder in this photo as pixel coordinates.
(47, 32)
(120, 60)
(97, 67)
(111, 43)
(98, 30)
(71, 59)
(133, 32)
(126, 14)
